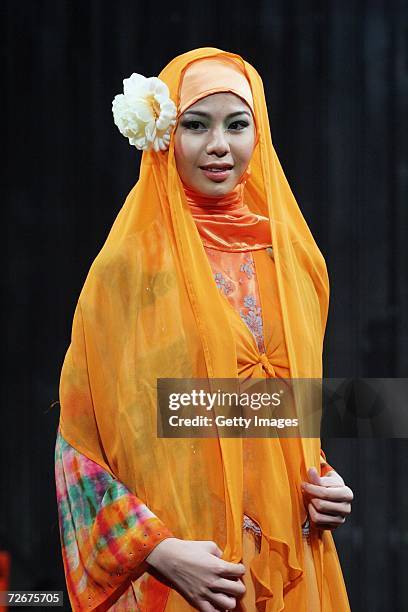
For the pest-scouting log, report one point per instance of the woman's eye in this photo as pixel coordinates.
(241, 123)
(192, 125)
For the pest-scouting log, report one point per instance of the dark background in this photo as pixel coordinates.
(336, 79)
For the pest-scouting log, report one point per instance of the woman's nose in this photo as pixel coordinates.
(217, 142)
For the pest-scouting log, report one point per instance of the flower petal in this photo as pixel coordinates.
(134, 85)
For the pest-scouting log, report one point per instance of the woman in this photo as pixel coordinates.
(206, 273)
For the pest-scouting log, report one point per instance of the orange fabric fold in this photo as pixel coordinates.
(226, 223)
(209, 75)
(150, 309)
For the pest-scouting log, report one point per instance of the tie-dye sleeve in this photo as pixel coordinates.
(106, 532)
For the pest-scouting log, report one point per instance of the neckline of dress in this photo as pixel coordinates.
(227, 223)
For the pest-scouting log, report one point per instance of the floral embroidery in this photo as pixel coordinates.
(249, 301)
(235, 276)
(249, 523)
(248, 267)
(225, 285)
(253, 319)
(255, 529)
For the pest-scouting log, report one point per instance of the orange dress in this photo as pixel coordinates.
(248, 281)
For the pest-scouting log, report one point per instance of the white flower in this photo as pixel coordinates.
(145, 113)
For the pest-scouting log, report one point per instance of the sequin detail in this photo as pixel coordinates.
(225, 285)
(254, 528)
(248, 266)
(306, 529)
(253, 319)
(248, 523)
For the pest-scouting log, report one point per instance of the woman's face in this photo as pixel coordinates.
(217, 131)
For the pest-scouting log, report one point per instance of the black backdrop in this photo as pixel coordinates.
(336, 79)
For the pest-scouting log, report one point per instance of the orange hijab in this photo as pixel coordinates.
(150, 309)
(224, 223)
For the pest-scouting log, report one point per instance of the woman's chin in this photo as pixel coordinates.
(211, 188)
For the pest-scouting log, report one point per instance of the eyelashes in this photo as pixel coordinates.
(189, 125)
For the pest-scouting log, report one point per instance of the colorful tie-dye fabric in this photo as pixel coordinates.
(106, 531)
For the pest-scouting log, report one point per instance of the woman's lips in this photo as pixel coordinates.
(217, 175)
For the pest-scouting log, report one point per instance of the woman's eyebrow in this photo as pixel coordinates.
(208, 115)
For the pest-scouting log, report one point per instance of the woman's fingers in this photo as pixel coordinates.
(338, 494)
(235, 570)
(233, 587)
(325, 521)
(220, 600)
(198, 573)
(206, 606)
(222, 593)
(329, 499)
(332, 480)
(328, 507)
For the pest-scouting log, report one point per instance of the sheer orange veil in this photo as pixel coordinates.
(149, 309)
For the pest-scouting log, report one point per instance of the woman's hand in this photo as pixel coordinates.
(328, 498)
(196, 571)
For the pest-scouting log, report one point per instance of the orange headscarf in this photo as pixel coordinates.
(223, 222)
(150, 309)
(211, 75)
